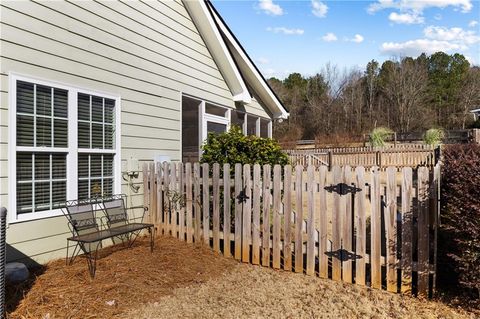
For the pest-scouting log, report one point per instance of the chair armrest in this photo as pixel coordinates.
(103, 222)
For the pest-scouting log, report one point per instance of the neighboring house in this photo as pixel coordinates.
(90, 90)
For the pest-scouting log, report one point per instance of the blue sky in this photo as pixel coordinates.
(303, 36)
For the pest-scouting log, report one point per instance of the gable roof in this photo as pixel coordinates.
(238, 70)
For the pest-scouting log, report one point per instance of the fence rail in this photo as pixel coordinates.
(367, 156)
(368, 227)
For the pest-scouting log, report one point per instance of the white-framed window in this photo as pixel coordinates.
(258, 126)
(64, 144)
(200, 117)
(216, 119)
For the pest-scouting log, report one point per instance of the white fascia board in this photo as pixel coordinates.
(251, 74)
(205, 24)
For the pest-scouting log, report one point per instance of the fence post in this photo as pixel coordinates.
(3, 258)
(330, 160)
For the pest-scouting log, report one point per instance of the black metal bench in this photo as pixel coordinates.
(88, 234)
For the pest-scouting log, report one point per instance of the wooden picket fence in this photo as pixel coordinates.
(413, 156)
(368, 227)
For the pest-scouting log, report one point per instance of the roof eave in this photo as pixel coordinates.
(249, 70)
(203, 20)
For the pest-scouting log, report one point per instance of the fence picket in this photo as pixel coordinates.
(166, 200)
(196, 202)
(310, 269)
(323, 234)
(146, 188)
(173, 202)
(435, 203)
(407, 226)
(226, 209)
(238, 211)
(181, 197)
(247, 213)
(423, 231)
(152, 193)
(391, 229)
(159, 222)
(206, 203)
(347, 236)
(375, 239)
(188, 201)
(287, 217)
(338, 210)
(256, 215)
(277, 201)
(299, 219)
(360, 243)
(216, 207)
(266, 215)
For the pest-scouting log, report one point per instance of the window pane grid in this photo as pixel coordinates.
(94, 173)
(46, 187)
(96, 120)
(42, 116)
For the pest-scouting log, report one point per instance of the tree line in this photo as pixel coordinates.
(405, 94)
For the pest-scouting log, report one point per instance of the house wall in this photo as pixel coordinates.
(148, 53)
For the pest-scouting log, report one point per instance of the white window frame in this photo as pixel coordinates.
(257, 124)
(206, 117)
(72, 150)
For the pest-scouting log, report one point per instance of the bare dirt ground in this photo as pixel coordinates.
(180, 280)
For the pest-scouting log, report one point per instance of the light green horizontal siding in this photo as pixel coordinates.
(148, 53)
(255, 108)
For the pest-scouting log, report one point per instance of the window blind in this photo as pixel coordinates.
(42, 121)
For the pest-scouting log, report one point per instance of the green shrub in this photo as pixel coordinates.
(379, 135)
(233, 147)
(459, 241)
(433, 136)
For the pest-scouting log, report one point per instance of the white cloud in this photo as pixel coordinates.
(406, 18)
(262, 60)
(329, 37)
(319, 9)
(270, 8)
(419, 5)
(438, 17)
(286, 31)
(417, 47)
(472, 23)
(357, 38)
(454, 35)
(268, 73)
(470, 60)
(435, 39)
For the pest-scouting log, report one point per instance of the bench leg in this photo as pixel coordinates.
(92, 260)
(69, 260)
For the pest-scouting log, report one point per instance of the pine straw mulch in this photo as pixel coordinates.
(125, 279)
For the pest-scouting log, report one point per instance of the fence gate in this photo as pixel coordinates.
(365, 226)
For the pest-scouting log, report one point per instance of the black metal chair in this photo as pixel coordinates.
(116, 215)
(82, 221)
(88, 235)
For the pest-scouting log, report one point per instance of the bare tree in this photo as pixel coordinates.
(469, 95)
(404, 88)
